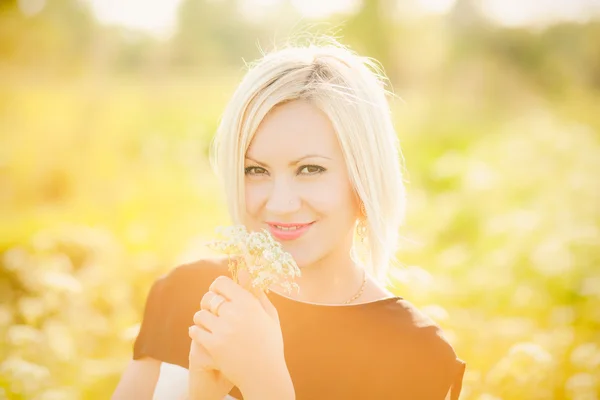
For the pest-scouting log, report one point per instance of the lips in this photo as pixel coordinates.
(287, 231)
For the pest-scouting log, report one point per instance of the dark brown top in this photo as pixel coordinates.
(386, 349)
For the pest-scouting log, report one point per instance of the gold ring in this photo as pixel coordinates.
(215, 303)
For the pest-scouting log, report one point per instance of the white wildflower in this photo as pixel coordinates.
(259, 254)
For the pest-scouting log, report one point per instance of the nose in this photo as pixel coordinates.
(282, 198)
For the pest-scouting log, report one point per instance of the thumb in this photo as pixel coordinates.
(244, 279)
(266, 304)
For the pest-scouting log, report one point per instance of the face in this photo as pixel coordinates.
(297, 185)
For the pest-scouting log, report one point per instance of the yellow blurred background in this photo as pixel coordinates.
(107, 108)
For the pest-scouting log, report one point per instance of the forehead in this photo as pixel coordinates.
(292, 130)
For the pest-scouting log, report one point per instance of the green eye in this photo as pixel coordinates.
(310, 170)
(254, 171)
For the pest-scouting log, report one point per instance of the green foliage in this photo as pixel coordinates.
(52, 41)
(105, 185)
(201, 42)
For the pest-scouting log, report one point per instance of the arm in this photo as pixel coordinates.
(208, 385)
(278, 387)
(138, 380)
(205, 382)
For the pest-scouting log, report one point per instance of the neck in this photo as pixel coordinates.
(328, 282)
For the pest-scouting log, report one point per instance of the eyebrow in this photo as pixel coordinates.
(292, 162)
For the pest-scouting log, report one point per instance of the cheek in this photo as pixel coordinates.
(333, 198)
(251, 197)
(255, 195)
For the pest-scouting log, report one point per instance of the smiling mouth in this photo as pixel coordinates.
(288, 231)
(290, 228)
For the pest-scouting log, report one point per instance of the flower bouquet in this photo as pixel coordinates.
(259, 255)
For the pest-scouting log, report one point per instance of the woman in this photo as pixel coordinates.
(307, 150)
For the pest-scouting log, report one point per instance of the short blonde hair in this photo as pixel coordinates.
(349, 89)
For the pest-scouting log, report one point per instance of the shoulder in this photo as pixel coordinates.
(196, 275)
(170, 306)
(404, 313)
(422, 341)
(178, 292)
(404, 318)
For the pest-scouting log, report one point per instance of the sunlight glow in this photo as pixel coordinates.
(436, 6)
(322, 9)
(155, 17)
(31, 7)
(521, 13)
(159, 17)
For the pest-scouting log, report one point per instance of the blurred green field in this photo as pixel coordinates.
(105, 185)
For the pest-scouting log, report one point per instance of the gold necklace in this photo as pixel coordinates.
(360, 291)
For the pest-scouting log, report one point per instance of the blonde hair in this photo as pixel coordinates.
(349, 89)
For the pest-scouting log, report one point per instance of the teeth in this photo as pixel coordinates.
(292, 228)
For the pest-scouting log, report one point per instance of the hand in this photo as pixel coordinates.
(244, 338)
(205, 381)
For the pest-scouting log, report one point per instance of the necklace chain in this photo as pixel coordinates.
(360, 291)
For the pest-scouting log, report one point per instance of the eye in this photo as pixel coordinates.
(310, 170)
(254, 171)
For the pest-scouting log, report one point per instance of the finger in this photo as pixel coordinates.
(244, 279)
(199, 359)
(201, 336)
(266, 304)
(225, 286)
(205, 319)
(206, 299)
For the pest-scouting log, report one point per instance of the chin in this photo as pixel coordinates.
(298, 254)
(304, 258)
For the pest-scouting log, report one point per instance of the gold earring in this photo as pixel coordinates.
(361, 228)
